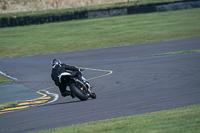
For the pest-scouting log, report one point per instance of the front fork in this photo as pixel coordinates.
(89, 89)
(87, 85)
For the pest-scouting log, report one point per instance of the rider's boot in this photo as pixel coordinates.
(72, 95)
(68, 93)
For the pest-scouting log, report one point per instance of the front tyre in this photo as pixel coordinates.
(93, 96)
(77, 92)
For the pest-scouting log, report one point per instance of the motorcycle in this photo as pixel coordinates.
(81, 90)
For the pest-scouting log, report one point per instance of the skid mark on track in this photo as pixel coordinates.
(45, 99)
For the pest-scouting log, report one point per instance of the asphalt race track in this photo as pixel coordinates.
(136, 86)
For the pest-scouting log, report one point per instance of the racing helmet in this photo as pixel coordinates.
(55, 62)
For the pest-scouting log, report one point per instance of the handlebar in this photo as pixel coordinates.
(81, 70)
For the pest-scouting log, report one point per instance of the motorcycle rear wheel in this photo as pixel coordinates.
(77, 92)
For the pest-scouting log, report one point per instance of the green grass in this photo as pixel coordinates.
(4, 79)
(97, 33)
(9, 104)
(179, 120)
(170, 53)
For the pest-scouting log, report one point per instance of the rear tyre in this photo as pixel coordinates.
(77, 92)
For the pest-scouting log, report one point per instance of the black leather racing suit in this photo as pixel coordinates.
(57, 70)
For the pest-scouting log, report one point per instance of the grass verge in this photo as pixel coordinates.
(4, 79)
(9, 104)
(179, 120)
(170, 53)
(100, 32)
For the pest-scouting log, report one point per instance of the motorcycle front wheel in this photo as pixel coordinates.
(93, 96)
(78, 93)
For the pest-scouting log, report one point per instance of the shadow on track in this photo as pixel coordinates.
(68, 102)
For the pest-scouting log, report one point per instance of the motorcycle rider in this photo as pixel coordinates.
(57, 69)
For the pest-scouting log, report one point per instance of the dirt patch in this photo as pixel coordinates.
(8, 6)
